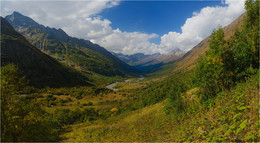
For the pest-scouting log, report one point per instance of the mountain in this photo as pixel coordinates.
(133, 59)
(41, 69)
(164, 58)
(146, 63)
(79, 53)
(171, 56)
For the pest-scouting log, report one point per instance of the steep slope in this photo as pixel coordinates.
(189, 60)
(41, 69)
(78, 52)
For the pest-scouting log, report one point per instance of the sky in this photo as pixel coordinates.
(130, 27)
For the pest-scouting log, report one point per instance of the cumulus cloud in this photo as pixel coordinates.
(62, 14)
(201, 24)
(80, 19)
(127, 42)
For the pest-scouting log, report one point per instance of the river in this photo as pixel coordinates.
(111, 86)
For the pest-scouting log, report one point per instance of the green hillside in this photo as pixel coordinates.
(222, 121)
(89, 60)
(39, 68)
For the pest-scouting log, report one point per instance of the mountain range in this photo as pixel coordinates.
(79, 53)
(147, 63)
(133, 59)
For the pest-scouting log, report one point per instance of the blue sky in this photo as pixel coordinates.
(132, 26)
(158, 17)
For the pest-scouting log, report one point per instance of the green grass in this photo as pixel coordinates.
(232, 116)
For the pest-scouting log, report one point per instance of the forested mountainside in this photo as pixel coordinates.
(87, 56)
(41, 69)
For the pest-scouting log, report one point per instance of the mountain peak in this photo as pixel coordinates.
(17, 20)
(17, 13)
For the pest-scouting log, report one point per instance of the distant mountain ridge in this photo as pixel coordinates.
(41, 69)
(132, 59)
(83, 53)
(149, 62)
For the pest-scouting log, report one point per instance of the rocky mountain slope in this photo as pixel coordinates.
(41, 69)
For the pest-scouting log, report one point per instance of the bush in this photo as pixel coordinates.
(175, 101)
(229, 61)
(50, 98)
(22, 119)
(66, 116)
(90, 104)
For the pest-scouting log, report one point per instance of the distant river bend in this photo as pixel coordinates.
(111, 86)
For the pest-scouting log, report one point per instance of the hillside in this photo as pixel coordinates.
(189, 60)
(41, 69)
(218, 123)
(87, 56)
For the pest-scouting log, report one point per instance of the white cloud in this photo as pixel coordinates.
(58, 14)
(201, 24)
(80, 19)
(127, 42)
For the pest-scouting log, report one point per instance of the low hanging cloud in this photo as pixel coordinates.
(80, 19)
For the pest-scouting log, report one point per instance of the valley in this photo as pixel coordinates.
(60, 88)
